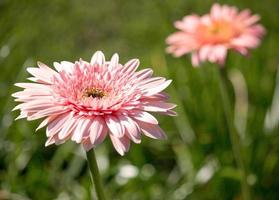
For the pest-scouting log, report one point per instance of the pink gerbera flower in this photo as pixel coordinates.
(209, 37)
(85, 101)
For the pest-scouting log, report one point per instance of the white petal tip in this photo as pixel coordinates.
(20, 117)
(137, 141)
(48, 143)
(98, 58)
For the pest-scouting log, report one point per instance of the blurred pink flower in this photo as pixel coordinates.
(85, 102)
(209, 37)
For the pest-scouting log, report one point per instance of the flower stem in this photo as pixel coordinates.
(95, 174)
(234, 136)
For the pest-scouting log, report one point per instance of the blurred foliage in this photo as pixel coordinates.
(196, 161)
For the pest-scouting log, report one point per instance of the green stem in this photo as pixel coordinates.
(95, 175)
(234, 136)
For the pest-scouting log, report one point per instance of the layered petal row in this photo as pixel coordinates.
(86, 101)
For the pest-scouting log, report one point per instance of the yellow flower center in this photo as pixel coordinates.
(94, 92)
(217, 32)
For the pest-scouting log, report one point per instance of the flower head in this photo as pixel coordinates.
(210, 36)
(85, 101)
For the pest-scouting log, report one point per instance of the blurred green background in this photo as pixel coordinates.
(196, 162)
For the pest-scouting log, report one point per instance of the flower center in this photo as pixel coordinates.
(217, 32)
(214, 30)
(94, 93)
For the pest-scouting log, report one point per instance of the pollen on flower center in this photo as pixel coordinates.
(94, 92)
(214, 30)
(217, 32)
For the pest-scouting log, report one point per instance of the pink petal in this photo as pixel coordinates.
(57, 124)
(152, 130)
(251, 20)
(246, 41)
(121, 145)
(195, 59)
(98, 130)
(143, 74)
(204, 52)
(114, 60)
(21, 116)
(47, 69)
(55, 110)
(132, 128)
(145, 117)
(156, 89)
(51, 140)
(158, 106)
(220, 52)
(40, 74)
(81, 129)
(169, 113)
(130, 67)
(68, 127)
(32, 85)
(114, 126)
(66, 66)
(98, 58)
(188, 24)
(45, 122)
(216, 11)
